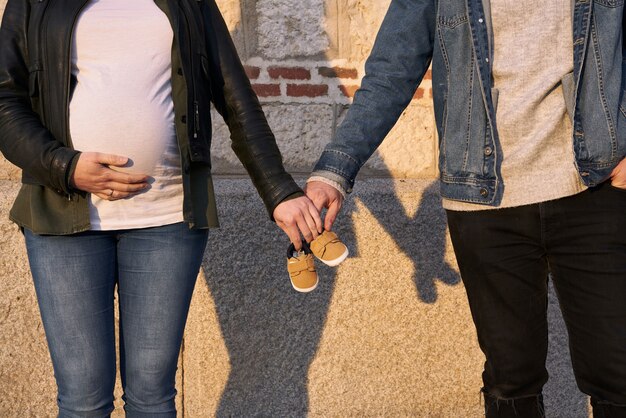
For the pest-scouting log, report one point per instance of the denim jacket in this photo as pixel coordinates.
(454, 35)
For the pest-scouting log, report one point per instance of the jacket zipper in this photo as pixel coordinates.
(196, 118)
(39, 52)
(195, 102)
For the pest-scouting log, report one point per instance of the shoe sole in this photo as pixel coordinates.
(336, 261)
(304, 290)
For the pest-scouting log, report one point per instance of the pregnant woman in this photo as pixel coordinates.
(104, 104)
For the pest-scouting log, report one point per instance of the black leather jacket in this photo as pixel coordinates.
(35, 89)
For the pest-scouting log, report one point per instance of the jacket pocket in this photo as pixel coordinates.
(463, 117)
(610, 3)
(33, 81)
(452, 21)
(206, 66)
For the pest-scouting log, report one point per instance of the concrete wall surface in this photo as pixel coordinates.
(387, 333)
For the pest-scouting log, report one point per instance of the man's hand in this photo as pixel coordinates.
(325, 196)
(618, 176)
(93, 175)
(298, 216)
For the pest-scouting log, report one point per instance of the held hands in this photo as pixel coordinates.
(302, 215)
(93, 175)
(325, 196)
(618, 176)
(298, 216)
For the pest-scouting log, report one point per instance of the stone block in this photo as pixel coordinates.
(301, 132)
(352, 26)
(408, 151)
(232, 12)
(291, 28)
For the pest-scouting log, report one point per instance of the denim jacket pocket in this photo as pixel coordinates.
(458, 100)
(452, 21)
(610, 3)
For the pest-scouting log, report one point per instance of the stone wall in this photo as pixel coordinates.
(305, 59)
(388, 333)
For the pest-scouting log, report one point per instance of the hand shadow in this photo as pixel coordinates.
(271, 331)
(421, 237)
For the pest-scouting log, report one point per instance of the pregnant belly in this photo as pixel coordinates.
(142, 132)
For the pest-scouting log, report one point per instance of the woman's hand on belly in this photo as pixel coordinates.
(94, 174)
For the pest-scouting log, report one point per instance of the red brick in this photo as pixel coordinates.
(290, 73)
(307, 90)
(338, 72)
(252, 72)
(348, 91)
(266, 90)
(419, 93)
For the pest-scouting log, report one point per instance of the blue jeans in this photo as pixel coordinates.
(155, 270)
(505, 257)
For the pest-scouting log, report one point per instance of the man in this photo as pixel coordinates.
(531, 116)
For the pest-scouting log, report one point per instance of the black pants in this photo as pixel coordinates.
(505, 257)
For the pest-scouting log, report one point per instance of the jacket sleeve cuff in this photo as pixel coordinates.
(61, 169)
(291, 197)
(339, 167)
(287, 191)
(70, 172)
(321, 176)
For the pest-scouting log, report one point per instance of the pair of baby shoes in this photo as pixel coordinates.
(326, 247)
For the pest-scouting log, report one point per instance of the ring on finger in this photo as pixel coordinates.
(111, 193)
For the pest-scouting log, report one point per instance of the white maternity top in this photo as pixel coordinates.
(122, 104)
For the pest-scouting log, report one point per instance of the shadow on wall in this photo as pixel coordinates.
(272, 333)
